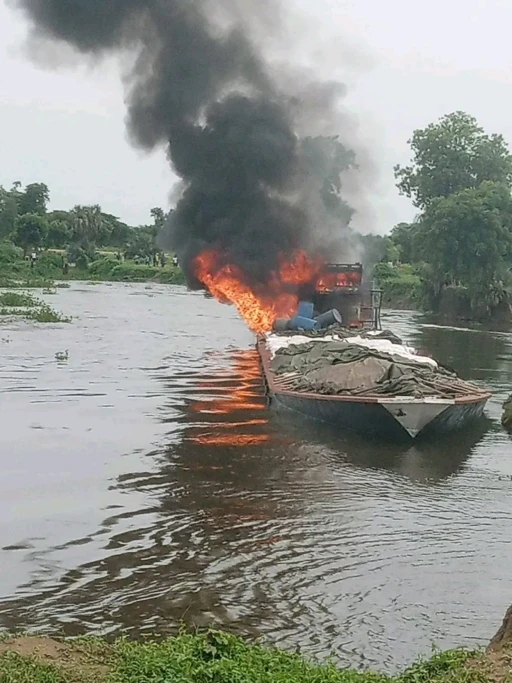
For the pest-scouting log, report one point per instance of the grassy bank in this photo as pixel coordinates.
(214, 658)
(16, 272)
(400, 284)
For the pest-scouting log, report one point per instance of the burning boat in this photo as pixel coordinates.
(355, 375)
(324, 353)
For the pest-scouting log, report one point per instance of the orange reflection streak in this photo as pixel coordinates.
(230, 439)
(230, 428)
(225, 406)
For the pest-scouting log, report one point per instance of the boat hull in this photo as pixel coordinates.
(376, 416)
(374, 419)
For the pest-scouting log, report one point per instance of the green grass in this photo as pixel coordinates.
(212, 657)
(455, 666)
(401, 285)
(17, 669)
(219, 657)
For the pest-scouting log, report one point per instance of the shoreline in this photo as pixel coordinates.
(142, 274)
(223, 658)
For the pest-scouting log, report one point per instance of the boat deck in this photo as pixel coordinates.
(377, 412)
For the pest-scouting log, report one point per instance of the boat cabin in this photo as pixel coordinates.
(342, 286)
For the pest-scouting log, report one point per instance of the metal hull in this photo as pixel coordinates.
(373, 419)
(377, 416)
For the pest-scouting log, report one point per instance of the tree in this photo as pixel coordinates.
(405, 237)
(452, 155)
(8, 213)
(86, 223)
(373, 248)
(121, 234)
(392, 251)
(58, 235)
(30, 231)
(158, 216)
(113, 233)
(143, 242)
(466, 239)
(34, 199)
(59, 215)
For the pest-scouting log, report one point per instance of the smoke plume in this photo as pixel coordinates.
(235, 124)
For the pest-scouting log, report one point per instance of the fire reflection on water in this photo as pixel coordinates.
(238, 426)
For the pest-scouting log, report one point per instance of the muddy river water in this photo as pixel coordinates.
(145, 483)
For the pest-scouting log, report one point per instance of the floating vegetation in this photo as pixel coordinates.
(27, 306)
(15, 299)
(34, 282)
(46, 314)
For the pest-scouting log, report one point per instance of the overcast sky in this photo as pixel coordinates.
(414, 63)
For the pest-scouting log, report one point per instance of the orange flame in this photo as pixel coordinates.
(259, 310)
(331, 281)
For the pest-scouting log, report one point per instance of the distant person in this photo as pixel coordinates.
(175, 261)
(118, 256)
(155, 259)
(163, 260)
(33, 259)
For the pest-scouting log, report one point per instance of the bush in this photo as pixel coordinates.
(131, 272)
(82, 260)
(10, 254)
(103, 267)
(401, 285)
(49, 264)
(11, 259)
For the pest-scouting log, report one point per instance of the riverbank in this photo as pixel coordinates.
(403, 289)
(16, 272)
(218, 658)
(401, 286)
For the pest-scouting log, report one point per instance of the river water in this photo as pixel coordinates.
(145, 483)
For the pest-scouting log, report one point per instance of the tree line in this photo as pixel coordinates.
(460, 180)
(26, 221)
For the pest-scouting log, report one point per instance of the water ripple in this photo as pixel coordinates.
(148, 483)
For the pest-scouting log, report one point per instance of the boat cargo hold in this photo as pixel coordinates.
(342, 368)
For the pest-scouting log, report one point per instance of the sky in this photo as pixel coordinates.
(405, 65)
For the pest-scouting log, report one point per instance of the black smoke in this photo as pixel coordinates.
(199, 85)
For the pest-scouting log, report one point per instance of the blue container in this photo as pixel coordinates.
(306, 309)
(301, 323)
(329, 318)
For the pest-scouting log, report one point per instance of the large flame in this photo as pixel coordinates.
(278, 299)
(331, 281)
